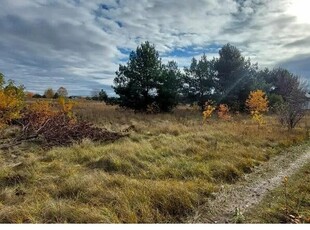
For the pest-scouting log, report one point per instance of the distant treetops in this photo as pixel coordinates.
(61, 92)
(49, 93)
(146, 84)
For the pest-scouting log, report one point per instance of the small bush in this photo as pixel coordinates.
(11, 102)
(257, 103)
(223, 112)
(207, 113)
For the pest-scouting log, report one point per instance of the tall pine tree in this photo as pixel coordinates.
(235, 75)
(200, 80)
(145, 81)
(136, 82)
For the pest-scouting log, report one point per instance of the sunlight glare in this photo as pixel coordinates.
(300, 9)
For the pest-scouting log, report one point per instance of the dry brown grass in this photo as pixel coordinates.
(167, 167)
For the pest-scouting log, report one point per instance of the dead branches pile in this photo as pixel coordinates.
(60, 130)
(57, 128)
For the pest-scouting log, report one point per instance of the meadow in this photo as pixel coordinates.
(161, 172)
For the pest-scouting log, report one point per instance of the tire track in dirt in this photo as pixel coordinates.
(245, 194)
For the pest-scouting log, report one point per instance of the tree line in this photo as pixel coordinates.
(146, 82)
(49, 93)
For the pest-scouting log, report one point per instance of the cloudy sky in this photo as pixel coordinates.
(78, 44)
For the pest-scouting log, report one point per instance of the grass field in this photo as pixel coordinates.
(167, 166)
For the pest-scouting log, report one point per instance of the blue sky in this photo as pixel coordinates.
(79, 44)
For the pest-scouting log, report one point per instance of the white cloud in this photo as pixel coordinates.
(79, 42)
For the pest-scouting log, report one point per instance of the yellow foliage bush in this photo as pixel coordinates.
(66, 106)
(11, 102)
(257, 103)
(209, 109)
(257, 117)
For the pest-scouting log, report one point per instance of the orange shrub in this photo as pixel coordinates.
(223, 112)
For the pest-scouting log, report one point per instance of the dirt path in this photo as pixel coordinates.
(250, 191)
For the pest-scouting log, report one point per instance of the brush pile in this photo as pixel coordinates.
(57, 127)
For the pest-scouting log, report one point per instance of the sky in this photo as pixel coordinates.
(79, 44)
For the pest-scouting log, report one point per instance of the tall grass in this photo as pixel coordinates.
(166, 167)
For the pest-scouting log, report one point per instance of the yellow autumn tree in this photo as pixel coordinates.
(66, 106)
(209, 109)
(11, 101)
(257, 104)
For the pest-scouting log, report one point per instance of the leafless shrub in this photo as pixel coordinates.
(293, 109)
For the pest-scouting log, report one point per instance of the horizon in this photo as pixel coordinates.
(79, 45)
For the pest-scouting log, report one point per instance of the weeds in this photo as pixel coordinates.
(238, 217)
(285, 195)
